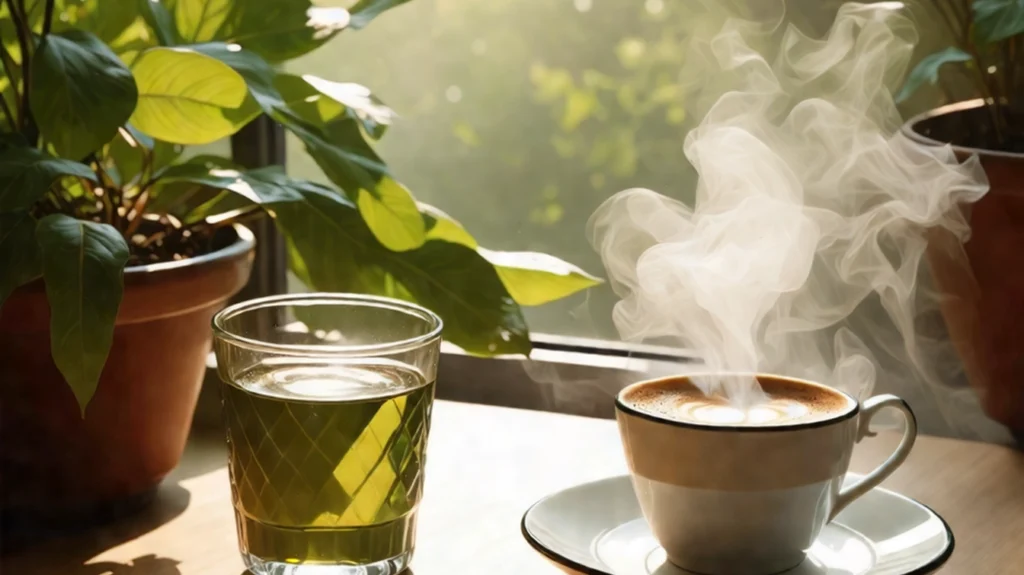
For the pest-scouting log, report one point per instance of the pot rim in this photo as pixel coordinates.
(246, 242)
(908, 129)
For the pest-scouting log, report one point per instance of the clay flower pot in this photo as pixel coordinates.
(56, 465)
(982, 282)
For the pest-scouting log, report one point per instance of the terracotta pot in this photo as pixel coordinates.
(982, 281)
(56, 464)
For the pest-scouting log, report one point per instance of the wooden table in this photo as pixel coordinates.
(486, 466)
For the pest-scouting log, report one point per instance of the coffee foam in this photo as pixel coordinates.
(789, 402)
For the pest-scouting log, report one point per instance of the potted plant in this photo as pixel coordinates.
(982, 282)
(116, 248)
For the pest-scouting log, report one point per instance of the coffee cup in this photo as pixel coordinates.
(729, 491)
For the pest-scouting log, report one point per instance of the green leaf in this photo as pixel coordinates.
(348, 161)
(80, 93)
(26, 174)
(19, 253)
(337, 252)
(160, 20)
(997, 20)
(392, 215)
(126, 152)
(339, 149)
(186, 97)
(258, 76)
(534, 278)
(459, 285)
(83, 264)
(357, 102)
(366, 10)
(277, 30)
(179, 195)
(441, 226)
(927, 70)
(200, 172)
(224, 204)
(199, 20)
(107, 20)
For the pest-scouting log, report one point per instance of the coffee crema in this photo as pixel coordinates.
(789, 402)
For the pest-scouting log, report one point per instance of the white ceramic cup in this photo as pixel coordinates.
(748, 499)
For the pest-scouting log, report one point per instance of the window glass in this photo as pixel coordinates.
(519, 117)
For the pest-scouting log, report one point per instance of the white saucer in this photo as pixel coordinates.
(597, 529)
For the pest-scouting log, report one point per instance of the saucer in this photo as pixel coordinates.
(597, 529)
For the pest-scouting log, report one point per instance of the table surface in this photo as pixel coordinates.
(486, 465)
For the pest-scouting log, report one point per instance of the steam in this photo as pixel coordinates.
(802, 253)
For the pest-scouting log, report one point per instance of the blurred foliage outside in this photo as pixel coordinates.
(521, 117)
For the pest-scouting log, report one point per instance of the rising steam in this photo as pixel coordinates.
(802, 254)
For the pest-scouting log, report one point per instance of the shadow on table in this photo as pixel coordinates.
(145, 565)
(406, 572)
(27, 550)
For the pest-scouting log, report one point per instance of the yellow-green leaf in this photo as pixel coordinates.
(186, 97)
(392, 215)
(199, 20)
(533, 278)
(441, 226)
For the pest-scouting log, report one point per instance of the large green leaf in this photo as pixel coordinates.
(441, 226)
(107, 20)
(534, 278)
(26, 174)
(388, 208)
(366, 10)
(83, 264)
(927, 70)
(355, 100)
(186, 97)
(339, 149)
(459, 285)
(391, 213)
(19, 253)
(178, 194)
(258, 75)
(80, 93)
(277, 30)
(199, 20)
(159, 19)
(338, 252)
(997, 20)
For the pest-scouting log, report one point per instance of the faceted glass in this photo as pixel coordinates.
(326, 403)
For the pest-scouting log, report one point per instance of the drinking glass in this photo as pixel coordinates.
(326, 402)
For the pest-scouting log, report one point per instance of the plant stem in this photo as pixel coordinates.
(135, 214)
(22, 28)
(11, 120)
(9, 66)
(48, 17)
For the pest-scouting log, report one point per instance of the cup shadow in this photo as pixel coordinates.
(247, 572)
(144, 565)
(27, 551)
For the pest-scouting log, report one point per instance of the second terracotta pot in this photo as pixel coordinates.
(982, 281)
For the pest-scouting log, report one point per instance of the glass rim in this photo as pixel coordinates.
(222, 332)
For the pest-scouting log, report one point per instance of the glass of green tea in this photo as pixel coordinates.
(326, 403)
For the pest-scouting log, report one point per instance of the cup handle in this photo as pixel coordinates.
(868, 410)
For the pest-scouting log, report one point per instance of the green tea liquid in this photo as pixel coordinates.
(326, 460)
